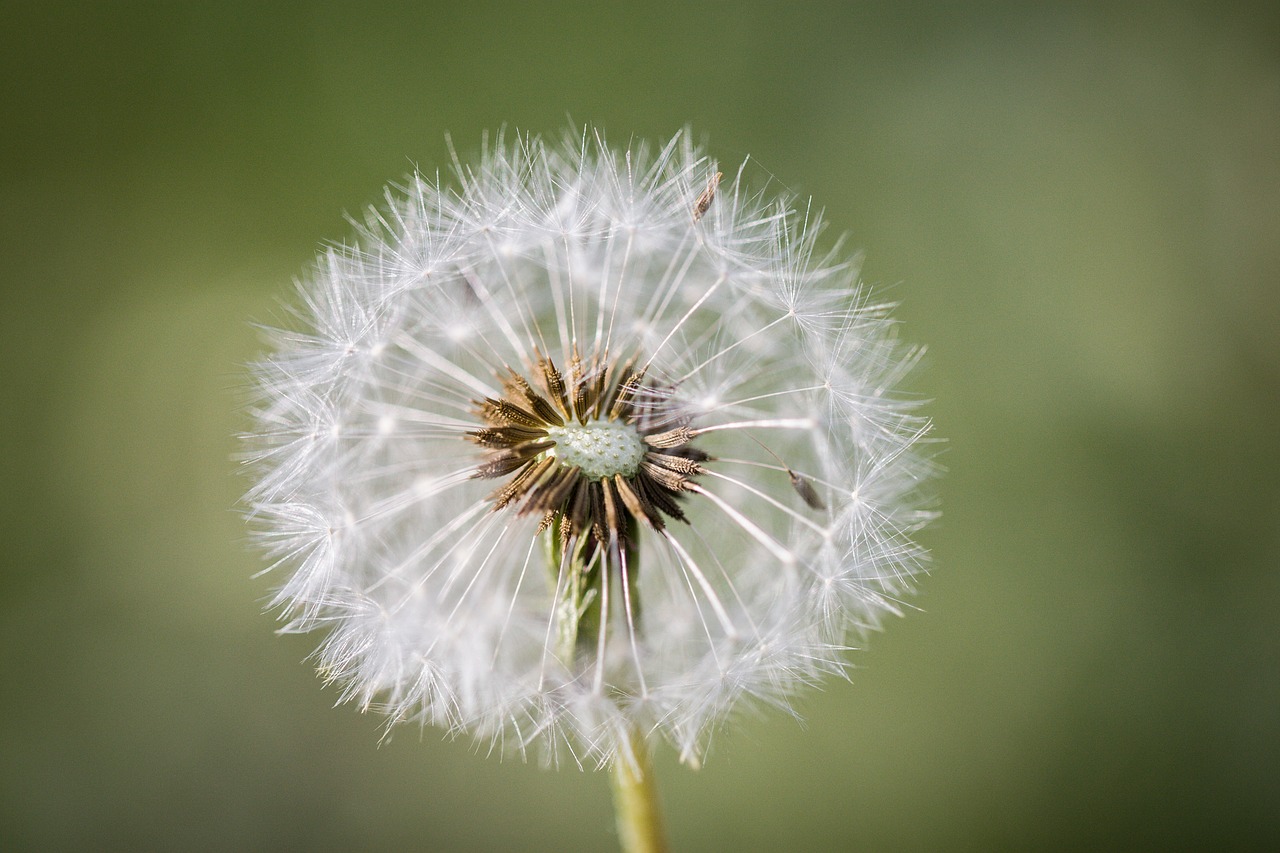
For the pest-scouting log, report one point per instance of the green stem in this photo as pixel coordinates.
(635, 801)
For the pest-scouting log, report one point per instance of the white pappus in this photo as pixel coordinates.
(585, 442)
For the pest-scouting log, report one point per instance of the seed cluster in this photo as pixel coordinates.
(591, 451)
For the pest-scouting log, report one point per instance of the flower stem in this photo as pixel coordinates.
(635, 800)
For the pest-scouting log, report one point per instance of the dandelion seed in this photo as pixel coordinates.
(703, 204)
(513, 458)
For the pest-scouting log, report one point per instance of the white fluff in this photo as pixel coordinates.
(437, 609)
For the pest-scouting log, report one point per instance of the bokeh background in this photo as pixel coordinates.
(1078, 208)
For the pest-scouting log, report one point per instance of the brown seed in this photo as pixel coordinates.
(554, 383)
(806, 491)
(500, 412)
(703, 204)
(670, 438)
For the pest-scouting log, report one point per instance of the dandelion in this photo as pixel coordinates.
(585, 451)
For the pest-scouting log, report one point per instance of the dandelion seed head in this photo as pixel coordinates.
(581, 441)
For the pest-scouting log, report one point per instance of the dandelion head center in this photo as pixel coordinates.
(599, 448)
(589, 450)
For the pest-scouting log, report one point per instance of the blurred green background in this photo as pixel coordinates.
(1077, 206)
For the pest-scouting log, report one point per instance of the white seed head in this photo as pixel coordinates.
(572, 349)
